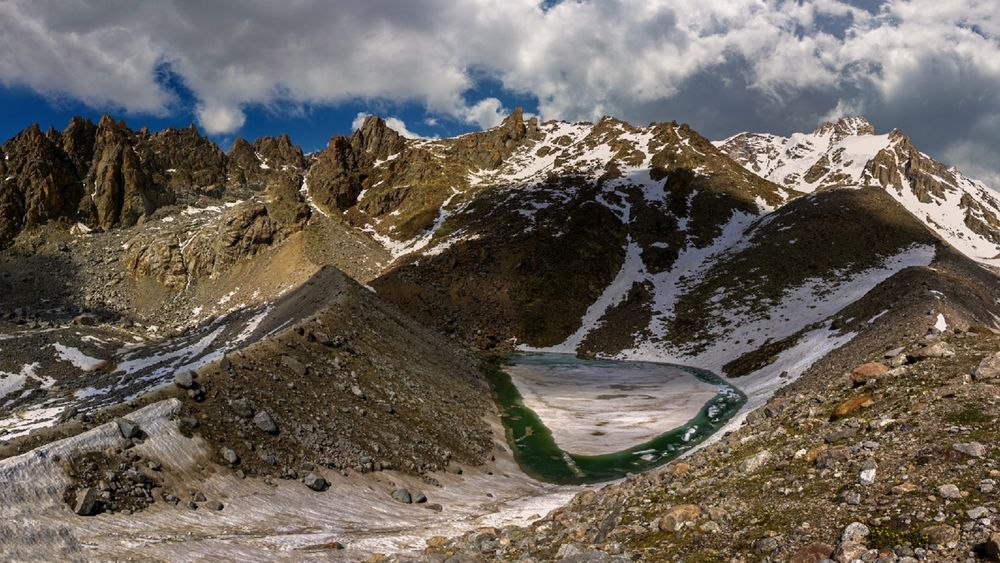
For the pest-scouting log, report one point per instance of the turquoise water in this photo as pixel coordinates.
(539, 456)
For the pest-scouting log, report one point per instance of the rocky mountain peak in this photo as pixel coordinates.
(846, 126)
(377, 139)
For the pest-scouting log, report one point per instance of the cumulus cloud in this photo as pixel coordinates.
(929, 67)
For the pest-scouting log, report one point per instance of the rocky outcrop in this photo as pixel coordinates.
(177, 258)
(78, 143)
(253, 165)
(488, 149)
(901, 166)
(183, 164)
(39, 183)
(376, 141)
(107, 175)
(338, 176)
(120, 189)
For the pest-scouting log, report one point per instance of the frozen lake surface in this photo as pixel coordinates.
(572, 420)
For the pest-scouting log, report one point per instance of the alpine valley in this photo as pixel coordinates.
(543, 341)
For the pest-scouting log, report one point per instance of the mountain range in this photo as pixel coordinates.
(268, 317)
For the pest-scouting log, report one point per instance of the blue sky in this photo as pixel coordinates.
(444, 67)
(309, 125)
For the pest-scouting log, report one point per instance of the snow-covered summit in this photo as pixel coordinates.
(849, 154)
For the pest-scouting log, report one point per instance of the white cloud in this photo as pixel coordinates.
(216, 118)
(722, 65)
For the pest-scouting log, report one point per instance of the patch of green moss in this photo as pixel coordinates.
(971, 415)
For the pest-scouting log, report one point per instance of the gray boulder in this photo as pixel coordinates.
(184, 379)
(128, 428)
(264, 421)
(316, 482)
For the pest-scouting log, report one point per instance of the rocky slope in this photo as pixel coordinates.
(890, 459)
(849, 153)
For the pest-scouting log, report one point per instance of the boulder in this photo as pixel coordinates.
(316, 482)
(229, 455)
(812, 553)
(988, 368)
(242, 407)
(675, 518)
(973, 449)
(128, 428)
(755, 462)
(949, 491)
(264, 421)
(936, 350)
(852, 405)
(295, 366)
(86, 502)
(855, 532)
(403, 496)
(941, 534)
(184, 379)
(992, 546)
(865, 372)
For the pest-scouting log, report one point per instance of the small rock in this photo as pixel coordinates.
(418, 497)
(865, 372)
(184, 379)
(974, 449)
(867, 477)
(229, 455)
(812, 553)
(402, 495)
(949, 491)
(315, 482)
(264, 421)
(128, 428)
(941, 534)
(358, 392)
(86, 502)
(756, 461)
(855, 532)
(936, 350)
(213, 505)
(852, 405)
(678, 516)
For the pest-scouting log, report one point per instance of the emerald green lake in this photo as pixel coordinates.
(622, 386)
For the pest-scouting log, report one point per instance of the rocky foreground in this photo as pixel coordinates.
(894, 460)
